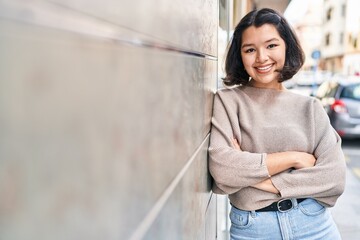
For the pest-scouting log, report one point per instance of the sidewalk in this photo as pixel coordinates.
(346, 212)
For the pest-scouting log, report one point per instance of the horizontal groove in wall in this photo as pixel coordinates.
(170, 48)
(57, 17)
(158, 206)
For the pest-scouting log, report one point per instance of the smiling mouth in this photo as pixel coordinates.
(264, 69)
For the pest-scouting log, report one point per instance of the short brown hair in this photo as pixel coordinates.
(294, 56)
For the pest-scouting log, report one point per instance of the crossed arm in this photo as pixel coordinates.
(279, 162)
(269, 172)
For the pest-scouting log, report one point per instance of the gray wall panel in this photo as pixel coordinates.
(212, 220)
(97, 121)
(185, 23)
(184, 214)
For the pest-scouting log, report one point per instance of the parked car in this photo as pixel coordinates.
(341, 100)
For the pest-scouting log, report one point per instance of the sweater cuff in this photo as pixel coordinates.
(263, 164)
(280, 185)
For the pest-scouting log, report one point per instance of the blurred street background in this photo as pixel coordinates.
(332, 67)
(347, 210)
(331, 43)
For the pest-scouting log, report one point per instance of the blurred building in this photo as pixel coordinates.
(334, 32)
(341, 31)
(306, 17)
(351, 62)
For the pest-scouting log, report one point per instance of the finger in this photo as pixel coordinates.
(236, 144)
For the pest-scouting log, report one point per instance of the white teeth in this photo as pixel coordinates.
(264, 68)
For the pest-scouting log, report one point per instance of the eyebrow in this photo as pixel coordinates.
(267, 41)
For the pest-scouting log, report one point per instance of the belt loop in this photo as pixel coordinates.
(253, 214)
(294, 202)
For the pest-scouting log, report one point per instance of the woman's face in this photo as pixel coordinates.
(263, 55)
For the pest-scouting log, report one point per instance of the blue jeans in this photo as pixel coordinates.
(307, 220)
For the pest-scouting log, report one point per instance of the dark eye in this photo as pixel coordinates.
(272, 45)
(250, 50)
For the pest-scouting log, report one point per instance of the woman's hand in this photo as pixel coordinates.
(304, 160)
(281, 161)
(267, 186)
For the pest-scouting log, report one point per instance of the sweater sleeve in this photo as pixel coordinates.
(326, 180)
(230, 168)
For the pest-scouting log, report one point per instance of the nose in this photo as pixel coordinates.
(261, 56)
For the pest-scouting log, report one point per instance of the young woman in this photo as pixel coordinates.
(272, 151)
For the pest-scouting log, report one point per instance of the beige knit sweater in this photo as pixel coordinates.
(268, 121)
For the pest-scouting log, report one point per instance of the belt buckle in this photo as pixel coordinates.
(286, 210)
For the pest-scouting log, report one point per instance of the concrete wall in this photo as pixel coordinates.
(104, 118)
